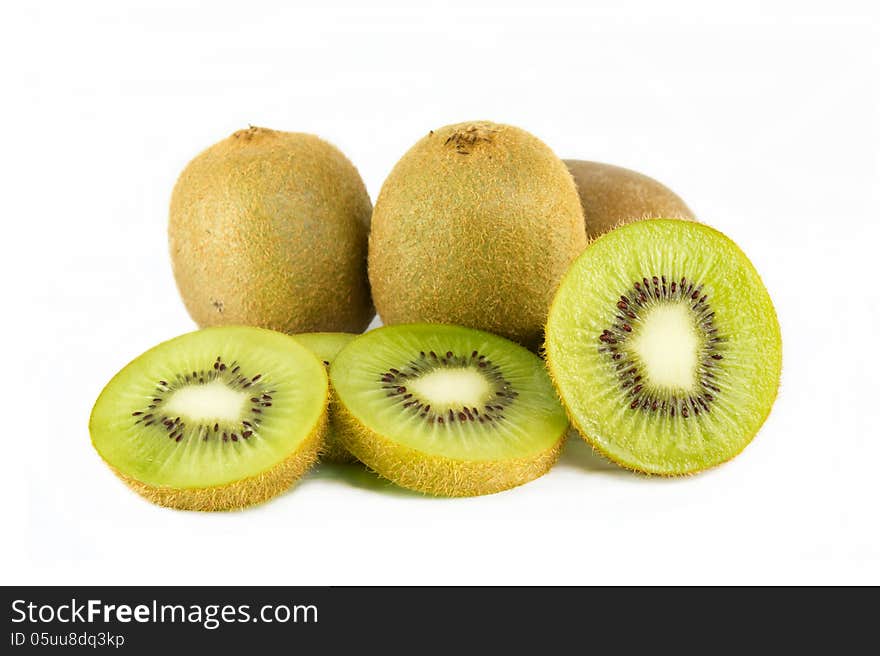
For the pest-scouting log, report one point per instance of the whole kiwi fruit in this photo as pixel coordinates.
(475, 226)
(612, 196)
(269, 229)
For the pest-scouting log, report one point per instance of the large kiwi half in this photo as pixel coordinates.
(665, 347)
(447, 410)
(326, 346)
(214, 420)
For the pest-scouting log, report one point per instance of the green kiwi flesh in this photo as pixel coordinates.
(215, 419)
(447, 410)
(665, 347)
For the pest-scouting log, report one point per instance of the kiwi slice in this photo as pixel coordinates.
(214, 420)
(447, 410)
(326, 346)
(665, 347)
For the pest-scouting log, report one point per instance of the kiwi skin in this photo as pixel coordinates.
(435, 475)
(612, 196)
(246, 492)
(269, 229)
(475, 226)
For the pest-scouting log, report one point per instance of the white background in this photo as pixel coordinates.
(764, 116)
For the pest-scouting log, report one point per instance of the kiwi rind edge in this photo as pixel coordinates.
(239, 494)
(436, 475)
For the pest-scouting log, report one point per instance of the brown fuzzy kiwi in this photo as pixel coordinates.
(612, 196)
(270, 229)
(475, 226)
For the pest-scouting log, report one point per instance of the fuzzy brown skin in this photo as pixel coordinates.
(270, 229)
(246, 492)
(436, 475)
(612, 196)
(333, 451)
(475, 226)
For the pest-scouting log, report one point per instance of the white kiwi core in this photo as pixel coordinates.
(452, 388)
(210, 402)
(669, 346)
